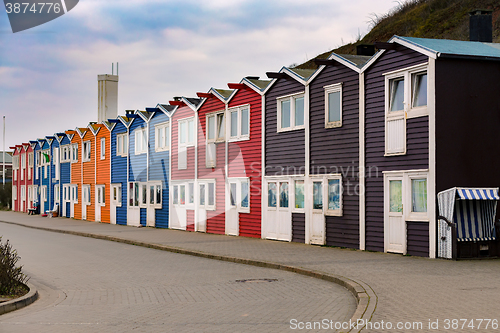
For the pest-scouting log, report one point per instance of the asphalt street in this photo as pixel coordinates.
(91, 285)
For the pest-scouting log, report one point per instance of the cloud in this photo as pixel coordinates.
(165, 48)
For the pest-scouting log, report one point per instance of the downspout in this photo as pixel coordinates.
(227, 192)
(128, 171)
(195, 196)
(431, 197)
(263, 165)
(147, 158)
(307, 165)
(167, 185)
(362, 167)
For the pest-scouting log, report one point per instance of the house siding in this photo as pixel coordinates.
(299, 227)
(244, 160)
(44, 181)
(181, 113)
(103, 176)
(119, 173)
(467, 120)
(158, 169)
(216, 222)
(336, 150)
(284, 151)
(417, 238)
(88, 177)
(65, 176)
(417, 140)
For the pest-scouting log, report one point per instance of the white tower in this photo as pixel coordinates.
(107, 97)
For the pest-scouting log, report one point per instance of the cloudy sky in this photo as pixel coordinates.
(165, 48)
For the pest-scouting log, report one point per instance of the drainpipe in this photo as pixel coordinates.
(196, 191)
(263, 165)
(307, 165)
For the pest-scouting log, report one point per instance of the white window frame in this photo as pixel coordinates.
(406, 74)
(187, 143)
(22, 165)
(141, 141)
(122, 150)
(238, 203)
(156, 185)
(206, 183)
(332, 88)
(165, 129)
(74, 153)
(86, 151)
(23, 192)
(238, 136)
(101, 188)
(292, 194)
(86, 199)
(292, 98)
(118, 201)
(407, 176)
(14, 192)
(143, 195)
(324, 188)
(15, 162)
(131, 194)
(57, 193)
(103, 148)
(215, 115)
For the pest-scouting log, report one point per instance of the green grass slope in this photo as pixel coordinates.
(440, 19)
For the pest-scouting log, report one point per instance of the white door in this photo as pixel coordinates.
(99, 201)
(232, 216)
(115, 201)
(64, 200)
(35, 195)
(85, 200)
(201, 223)
(150, 208)
(73, 200)
(178, 216)
(43, 199)
(133, 210)
(23, 197)
(278, 216)
(317, 226)
(395, 226)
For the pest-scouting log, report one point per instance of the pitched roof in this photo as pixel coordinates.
(261, 84)
(446, 47)
(304, 73)
(357, 60)
(224, 93)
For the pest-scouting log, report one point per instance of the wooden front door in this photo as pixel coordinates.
(395, 226)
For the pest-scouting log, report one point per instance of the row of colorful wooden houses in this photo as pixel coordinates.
(352, 154)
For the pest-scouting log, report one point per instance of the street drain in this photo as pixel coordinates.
(257, 280)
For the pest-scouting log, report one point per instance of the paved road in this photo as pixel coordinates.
(90, 285)
(404, 289)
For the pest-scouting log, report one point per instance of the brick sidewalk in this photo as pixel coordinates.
(405, 289)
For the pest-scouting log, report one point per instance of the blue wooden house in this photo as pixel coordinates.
(64, 141)
(157, 211)
(137, 168)
(119, 129)
(35, 192)
(54, 189)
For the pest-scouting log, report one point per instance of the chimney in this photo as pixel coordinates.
(365, 49)
(481, 26)
(107, 97)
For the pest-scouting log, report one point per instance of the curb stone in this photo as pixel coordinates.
(20, 302)
(366, 298)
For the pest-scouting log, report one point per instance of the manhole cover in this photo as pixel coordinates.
(257, 280)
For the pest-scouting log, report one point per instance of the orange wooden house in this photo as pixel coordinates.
(102, 157)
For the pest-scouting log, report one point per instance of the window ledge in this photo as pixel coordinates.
(333, 124)
(289, 129)
(394, 154)
(417, 112)
(238, 139)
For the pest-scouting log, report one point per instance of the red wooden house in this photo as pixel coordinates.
(16, 178)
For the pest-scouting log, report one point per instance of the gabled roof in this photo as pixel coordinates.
(167, 108)
(256, 84)
(223, 95)
(456, 48)
(444, 48)
(145, 115)
(94, 128)
(81, 131)
(109, 125)
(193, 103)
(305, 74)
(126, 120)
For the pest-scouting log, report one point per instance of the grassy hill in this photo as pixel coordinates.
(441, 19)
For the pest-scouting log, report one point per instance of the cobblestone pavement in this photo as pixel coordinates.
(408, 289)
(90, 285)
